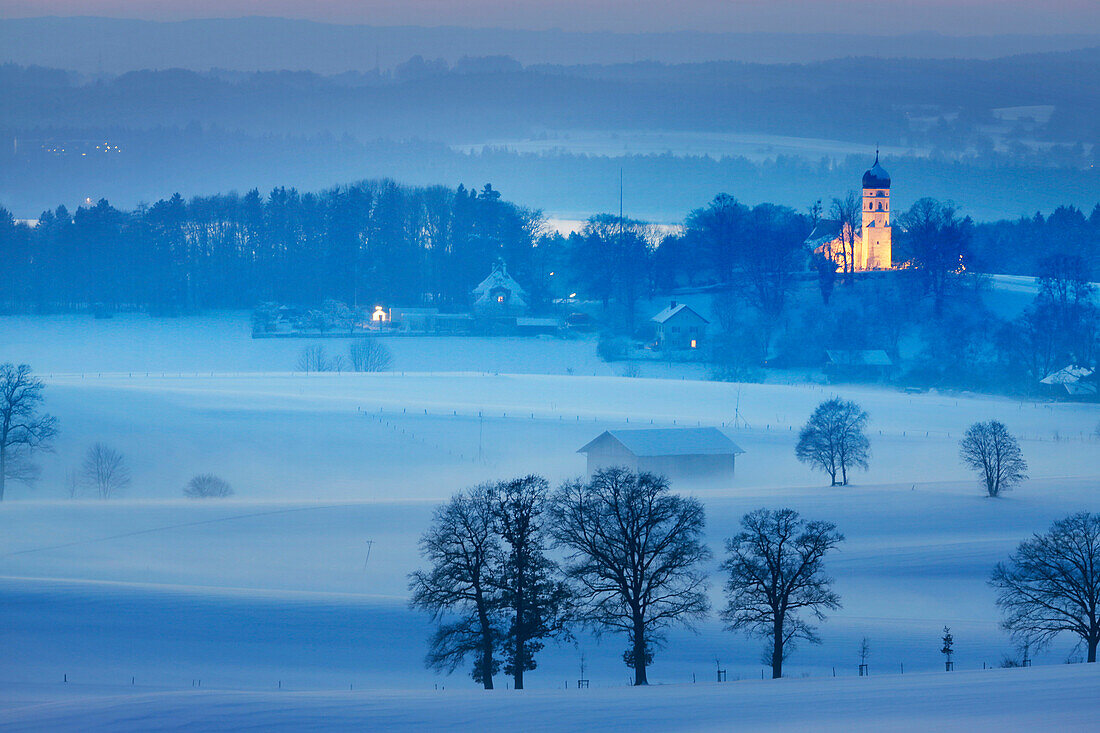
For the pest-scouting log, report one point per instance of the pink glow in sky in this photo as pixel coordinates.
(953, 17)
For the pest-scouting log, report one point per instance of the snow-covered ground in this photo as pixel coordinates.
(1039, 699)
(220, 342)
(300, 579)
(755, 147)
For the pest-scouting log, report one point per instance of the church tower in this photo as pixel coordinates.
(876, 252)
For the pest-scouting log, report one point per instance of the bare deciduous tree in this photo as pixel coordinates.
(207, 486)
(316, 359)
(834, 440)
(531, 593)
(937, 243)
(635, 556)
(369, 355)
(994, 453)
(462, 547)
(848, 213)
(104, 471)
(776, 571)
(1051, 584)
(718, 230)
(23, 428)
(769, 271)
(948, 648)
(72, 483)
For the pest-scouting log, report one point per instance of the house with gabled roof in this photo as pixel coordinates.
(499, 294)
(858, 364)
(1073, 382)
(678, 327)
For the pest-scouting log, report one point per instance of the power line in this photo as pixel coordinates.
(168, 527)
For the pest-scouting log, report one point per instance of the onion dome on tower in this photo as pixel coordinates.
(876, 177)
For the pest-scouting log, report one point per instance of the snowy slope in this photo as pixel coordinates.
(276, 585)
(1059, 698)
(361, 436)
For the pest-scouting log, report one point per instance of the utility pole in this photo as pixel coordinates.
(370, 544)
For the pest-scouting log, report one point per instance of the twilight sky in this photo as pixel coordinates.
(953, 17)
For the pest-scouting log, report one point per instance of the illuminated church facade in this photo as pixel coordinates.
(871, 247)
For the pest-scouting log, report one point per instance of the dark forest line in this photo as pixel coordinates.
(432, 244)
(776, 303)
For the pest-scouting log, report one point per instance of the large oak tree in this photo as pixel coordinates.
(635, 554)
(24, 428)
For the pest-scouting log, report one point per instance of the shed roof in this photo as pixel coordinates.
(859, 357)
(673, 310)
(498, 278)
(538, 322)
(824, 232)
(1068, 375)
(829, 230)
(671, 442)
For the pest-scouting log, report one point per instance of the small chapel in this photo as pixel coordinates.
(871, 246)
(499, 294)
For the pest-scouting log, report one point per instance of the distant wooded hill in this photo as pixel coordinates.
(154, 164)
(1003, 137)
(248, 44)
(945, 103)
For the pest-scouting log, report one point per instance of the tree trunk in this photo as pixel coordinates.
(486, 647)
(517, 658)
(640, 677)
(1092, 642)
(487, 664)
(777, 650)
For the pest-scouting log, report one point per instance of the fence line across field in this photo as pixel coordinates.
(737, 426)
(740, 424)
(827, 671)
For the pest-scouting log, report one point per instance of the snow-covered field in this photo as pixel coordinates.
(614, 143)
(284, 597)
(1039, 699)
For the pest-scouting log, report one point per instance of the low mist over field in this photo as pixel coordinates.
(410, 367)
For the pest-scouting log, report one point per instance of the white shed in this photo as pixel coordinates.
(678, 453)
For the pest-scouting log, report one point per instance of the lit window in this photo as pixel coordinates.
(694, 343)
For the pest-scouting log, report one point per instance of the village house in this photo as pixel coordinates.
(679, 327)
(858, 365)
(499, 295)
(692, 454)
(1073, 382)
